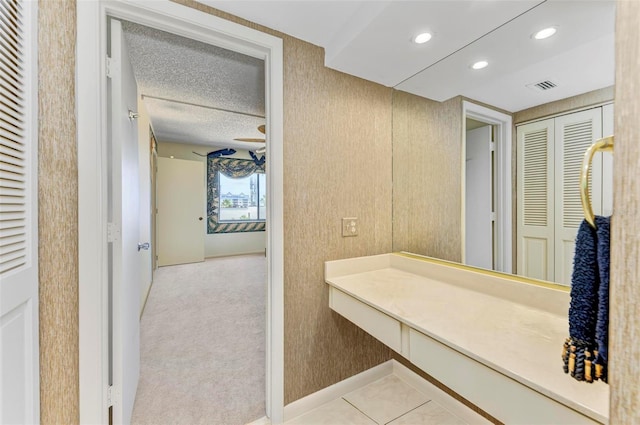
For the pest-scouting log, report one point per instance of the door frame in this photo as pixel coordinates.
(504, 179)
(91, 104)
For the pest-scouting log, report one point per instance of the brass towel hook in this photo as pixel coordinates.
(605, 145)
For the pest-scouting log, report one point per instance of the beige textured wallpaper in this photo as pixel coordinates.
(337, 164)
(624, 345)
(58, 213)
(427, 174)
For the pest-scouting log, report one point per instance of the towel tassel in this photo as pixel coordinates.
(588, 372)
(572, 360)
(565, 355)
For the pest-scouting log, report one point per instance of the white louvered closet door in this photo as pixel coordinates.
(19, 372)
(535, 243)
(574, 133)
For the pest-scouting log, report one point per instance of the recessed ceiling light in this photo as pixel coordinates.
(171, 157)
(545, 33)
(422, 38)
(480, 65)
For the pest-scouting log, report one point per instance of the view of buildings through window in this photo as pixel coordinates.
(244, 198)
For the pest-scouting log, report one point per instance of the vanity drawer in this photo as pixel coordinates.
(502, 397)
(384, 328)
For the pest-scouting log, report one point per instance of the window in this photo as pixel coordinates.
(242, 198)
(236, 195)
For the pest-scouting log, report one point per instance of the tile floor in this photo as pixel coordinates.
(389, 400)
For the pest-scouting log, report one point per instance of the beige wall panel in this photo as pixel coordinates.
(58, 213)
(427, 176)
(624, 346)
(571, 103)
(337, 163)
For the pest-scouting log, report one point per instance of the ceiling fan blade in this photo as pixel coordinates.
(249, 139)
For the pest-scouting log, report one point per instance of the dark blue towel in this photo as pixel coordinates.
(602, 324)
(585, 351)
(585, 282)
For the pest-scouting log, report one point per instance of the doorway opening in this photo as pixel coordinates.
(487, 194)
(97, 398)
(203, 326)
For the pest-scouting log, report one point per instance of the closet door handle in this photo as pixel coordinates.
(144, 246)
(200, 218)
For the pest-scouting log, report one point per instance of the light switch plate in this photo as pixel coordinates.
(350, 226)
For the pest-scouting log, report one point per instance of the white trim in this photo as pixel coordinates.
(337, 390)
(236, 254)
(91, 116)
(262, 421)
(92, 289)
(32, 137)
(566, 112)
(504, 122)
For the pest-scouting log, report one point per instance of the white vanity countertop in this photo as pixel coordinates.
(521, 341)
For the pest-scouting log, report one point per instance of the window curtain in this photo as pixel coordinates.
(234, 168)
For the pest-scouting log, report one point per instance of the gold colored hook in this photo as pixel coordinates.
(604, 145)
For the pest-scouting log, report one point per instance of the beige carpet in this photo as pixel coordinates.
(203, 344)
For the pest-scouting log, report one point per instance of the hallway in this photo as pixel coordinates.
(203, 344)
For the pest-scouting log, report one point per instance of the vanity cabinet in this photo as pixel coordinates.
(384, 328)
(506, 398)
(549, 209)
(491, 338)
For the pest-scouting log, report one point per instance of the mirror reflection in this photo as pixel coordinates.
(486, 163)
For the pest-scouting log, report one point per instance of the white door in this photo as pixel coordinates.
(125, 231)
(19, 354)
(181, 211)
(478, 199)
(574, 133)
(535, 243)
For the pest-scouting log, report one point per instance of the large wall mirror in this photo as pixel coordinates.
(459, 192)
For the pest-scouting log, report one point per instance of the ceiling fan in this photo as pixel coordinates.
(261, 129)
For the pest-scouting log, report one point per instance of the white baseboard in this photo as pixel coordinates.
(234, 254)
(262, 421)
(145, 296)
(317, 399)
(436, 394)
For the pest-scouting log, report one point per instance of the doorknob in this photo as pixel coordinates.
(144, 246)
(200, 218)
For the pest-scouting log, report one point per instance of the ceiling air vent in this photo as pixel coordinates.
(542, 85)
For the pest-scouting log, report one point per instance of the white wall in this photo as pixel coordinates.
(222, 244)
(144, 166)
(219, 244)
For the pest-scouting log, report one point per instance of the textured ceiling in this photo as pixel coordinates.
(195, 92)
